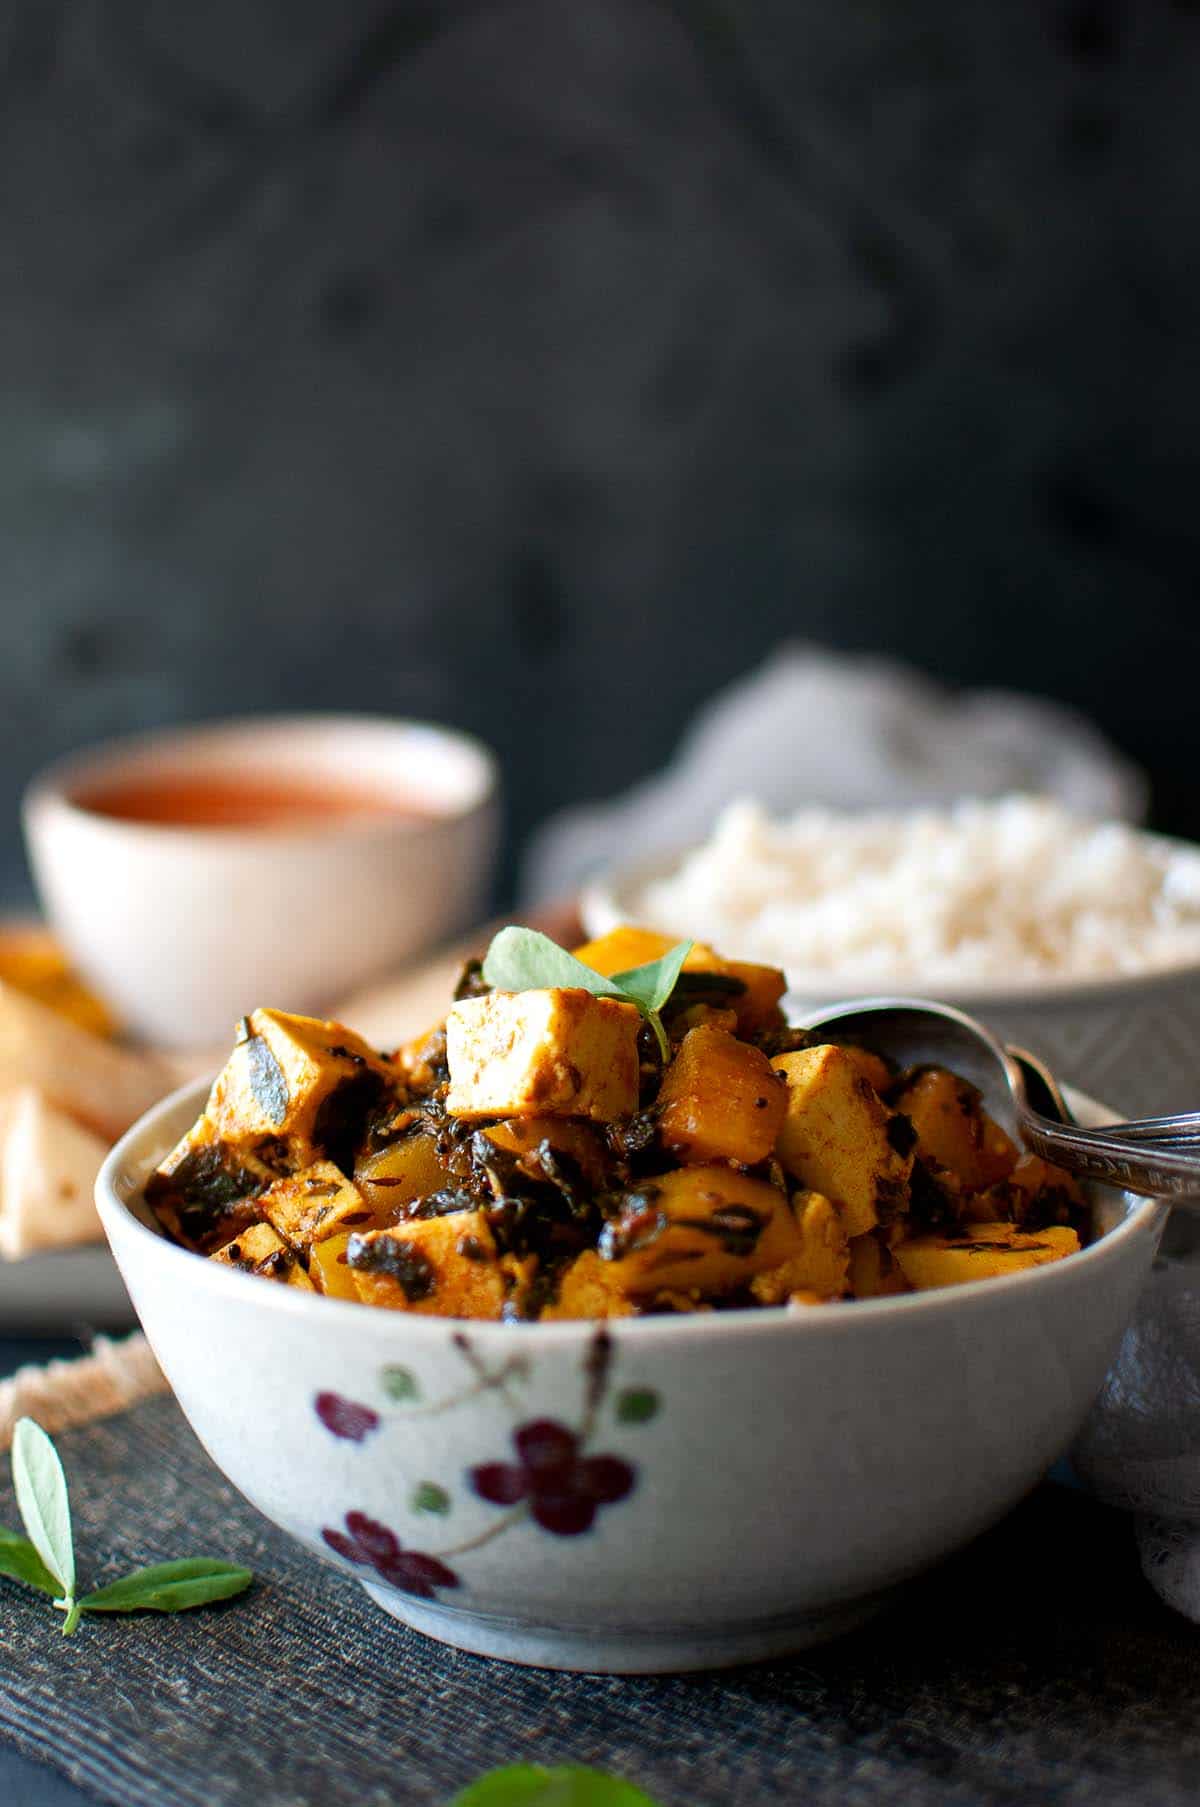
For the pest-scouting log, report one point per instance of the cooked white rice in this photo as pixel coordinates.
(1005, 890)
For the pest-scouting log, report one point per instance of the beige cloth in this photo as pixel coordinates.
(63, 1394)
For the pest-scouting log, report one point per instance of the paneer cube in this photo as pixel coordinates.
(308, 1082)
(206, 1189)
(702, 1231)
(558, 1052)
(838, 1138)
(820, 1265)
(989, 1250)
(305, 1207)
(438, 1266)
(259, 1250)
(590, 1288)
(720, 1100)
(953, 1130)
(873, 1067)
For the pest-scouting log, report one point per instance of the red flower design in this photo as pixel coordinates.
(345, 1417)
(565, 1489)
(373, 1546)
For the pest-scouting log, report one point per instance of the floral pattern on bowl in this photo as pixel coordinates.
(554, 1479)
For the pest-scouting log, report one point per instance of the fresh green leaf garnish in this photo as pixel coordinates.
(170, 1587)
(20, 1561)
(524, 960)
(41, 1488)
(650, 987)
(46, 1558)
(531, 1785)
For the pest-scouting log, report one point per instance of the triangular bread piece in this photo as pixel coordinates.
(97, 1081)
(48, 1168)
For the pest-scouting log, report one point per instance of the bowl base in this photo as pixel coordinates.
(587, 1650)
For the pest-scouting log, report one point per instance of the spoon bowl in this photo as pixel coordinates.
(915, 1032)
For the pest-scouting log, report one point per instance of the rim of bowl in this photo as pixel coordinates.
(1140, 1216)
(197, 745)
(606, 900)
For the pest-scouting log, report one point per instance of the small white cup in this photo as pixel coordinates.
(183, 929)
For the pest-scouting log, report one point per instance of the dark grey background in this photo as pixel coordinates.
(539, 365)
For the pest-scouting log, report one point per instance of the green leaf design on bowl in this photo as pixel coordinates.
(427, 1496)
(400, 1384)
(637, 1405)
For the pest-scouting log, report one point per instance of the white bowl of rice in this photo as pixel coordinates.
(1079, 940)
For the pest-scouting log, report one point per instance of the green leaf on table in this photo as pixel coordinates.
(531, 1785)
(170, 1587)
(21, 1562)
(525, 960)
(41, 1488)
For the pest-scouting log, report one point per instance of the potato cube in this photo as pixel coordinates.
(328, 1269)
(700, 1230)
(820, 1265)
(625, 947)
(756, 1005)
(439, 1266)
(839, 1139)
(258, 1250)
(559, 1052)
(1034, 1191)
(401, 1172)
(874, 1272)
(989, 1250)
(536, 1142)
(720, 1100)
(319, 1201)
(953, 1129)
(309, 1082)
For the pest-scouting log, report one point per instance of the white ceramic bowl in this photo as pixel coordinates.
(184, 929)
(1133, 1040)
(654, 1494)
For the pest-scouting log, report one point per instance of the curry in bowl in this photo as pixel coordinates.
(649, 1136)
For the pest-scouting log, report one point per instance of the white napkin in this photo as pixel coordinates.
(813, 727)
(1140, 1448)
(816, 727)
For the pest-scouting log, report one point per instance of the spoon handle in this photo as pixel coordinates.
(1152, 1170)
(1183, 1128)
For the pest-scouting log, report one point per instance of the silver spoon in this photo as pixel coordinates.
(912, 1032)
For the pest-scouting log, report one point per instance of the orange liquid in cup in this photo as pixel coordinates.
(212, 800)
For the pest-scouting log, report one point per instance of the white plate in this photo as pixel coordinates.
(66, 1289)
